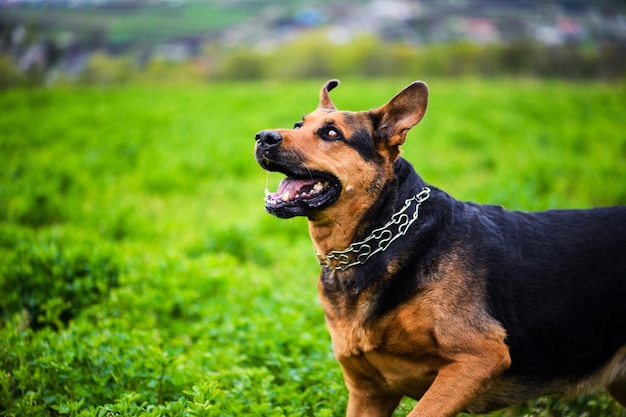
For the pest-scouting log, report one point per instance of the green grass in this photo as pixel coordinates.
(140, 274)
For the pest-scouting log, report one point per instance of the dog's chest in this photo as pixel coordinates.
(397, 351)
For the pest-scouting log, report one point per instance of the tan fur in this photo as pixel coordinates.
(443, 331)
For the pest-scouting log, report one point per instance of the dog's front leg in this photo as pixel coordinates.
(367, 405)
(461, 381)
(367, 397)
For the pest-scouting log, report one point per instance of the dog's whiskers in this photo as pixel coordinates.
(303, 161)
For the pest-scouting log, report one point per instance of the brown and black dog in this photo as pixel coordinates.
(464, 307)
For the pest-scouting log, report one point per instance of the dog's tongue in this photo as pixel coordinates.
(293, 187)
(289, 188)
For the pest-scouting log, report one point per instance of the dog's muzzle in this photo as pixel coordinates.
(304, 190)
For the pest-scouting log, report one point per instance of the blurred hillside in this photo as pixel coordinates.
(47, 41)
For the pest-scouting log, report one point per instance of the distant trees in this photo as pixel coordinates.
(369, 56)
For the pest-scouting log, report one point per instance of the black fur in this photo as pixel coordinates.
(361, 138)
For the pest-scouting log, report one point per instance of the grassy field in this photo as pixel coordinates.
(140, 274)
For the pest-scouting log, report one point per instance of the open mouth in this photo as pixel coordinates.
(298, 195)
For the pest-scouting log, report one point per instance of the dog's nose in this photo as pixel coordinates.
(268, 137)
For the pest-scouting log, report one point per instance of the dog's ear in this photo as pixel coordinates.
(325, 101)
(401, 113)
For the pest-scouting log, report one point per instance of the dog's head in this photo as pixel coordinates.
(337, 162)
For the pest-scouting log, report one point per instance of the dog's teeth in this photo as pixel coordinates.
(286, 196)
(317, 187)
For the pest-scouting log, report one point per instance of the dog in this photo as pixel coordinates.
(463, 307)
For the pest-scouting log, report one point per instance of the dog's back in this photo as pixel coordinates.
(556, 280)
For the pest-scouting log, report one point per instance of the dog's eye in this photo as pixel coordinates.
(297, 126)
(331, 134)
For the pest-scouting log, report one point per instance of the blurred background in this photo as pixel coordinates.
(105, 41)
(139, 272)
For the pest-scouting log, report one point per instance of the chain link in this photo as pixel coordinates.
(379, 240)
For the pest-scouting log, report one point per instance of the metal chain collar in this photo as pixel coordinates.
(379, 240)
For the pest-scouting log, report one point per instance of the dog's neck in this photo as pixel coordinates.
(335, 232)
(330, 234)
